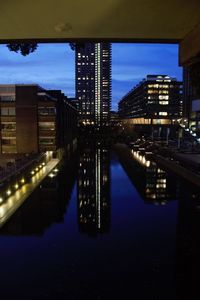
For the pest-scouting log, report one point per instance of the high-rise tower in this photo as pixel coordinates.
(93, 83)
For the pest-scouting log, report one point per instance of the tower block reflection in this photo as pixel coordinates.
(94, 189)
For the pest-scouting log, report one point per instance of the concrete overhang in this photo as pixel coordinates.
(116, 20)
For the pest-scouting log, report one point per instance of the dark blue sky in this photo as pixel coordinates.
(52, 66)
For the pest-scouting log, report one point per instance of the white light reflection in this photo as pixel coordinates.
(141, 159)
(21, 190)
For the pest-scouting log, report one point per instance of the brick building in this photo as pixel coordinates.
(33, 119)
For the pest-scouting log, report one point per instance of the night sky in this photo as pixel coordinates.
(52, 66)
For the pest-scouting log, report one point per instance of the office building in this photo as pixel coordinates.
(93, 83)
(33, 119)
(155, 100)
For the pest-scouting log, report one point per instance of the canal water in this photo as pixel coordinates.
(105, 227)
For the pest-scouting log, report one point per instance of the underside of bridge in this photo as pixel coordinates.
(175, 21)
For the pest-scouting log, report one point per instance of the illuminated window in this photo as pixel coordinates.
(163, 102)
(46, 125)
(153, 85)
(8, 141)
(163, 113)
(152, 91)
(163, 97)
(8, 126)
(164, 86)
(163, 92)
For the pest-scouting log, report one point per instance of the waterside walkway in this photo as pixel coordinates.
(8, 207)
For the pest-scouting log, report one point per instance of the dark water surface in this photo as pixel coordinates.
(101, 231)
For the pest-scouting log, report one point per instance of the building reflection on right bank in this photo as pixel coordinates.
(159, 186)
(155, 185)
(94, 188)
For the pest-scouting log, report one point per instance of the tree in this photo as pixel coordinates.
(27, 48)
(23, 48)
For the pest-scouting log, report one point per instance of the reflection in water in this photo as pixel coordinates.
(159, 187)
(150, 251)
(94, 189)
(154, 184)
(46, 205)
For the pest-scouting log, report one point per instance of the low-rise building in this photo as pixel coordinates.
(34, 119)
(156, 100)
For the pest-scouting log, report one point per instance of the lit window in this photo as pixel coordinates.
(163, 97)
(8, 141)
(163, 102)
(8, 126)
(163, 113)
(46, 125)
(153, 85)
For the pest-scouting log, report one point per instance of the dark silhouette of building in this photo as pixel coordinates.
(156, 100)
(34, 119)
(94, 189)
(93, 83)
(191, 103)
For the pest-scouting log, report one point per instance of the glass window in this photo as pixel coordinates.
(8, 141)
(8, 111)
(46, 125)
(163, 113)
(46, 141)
(46, 111)
(152, 91)
(7, 98)
(162, 97)
(164, 102)
(8, 126)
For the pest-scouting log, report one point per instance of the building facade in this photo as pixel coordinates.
(34, 119)
(93, 83)
(191, 103)
(155, 100)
